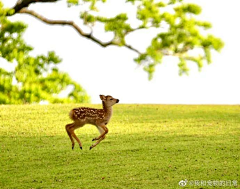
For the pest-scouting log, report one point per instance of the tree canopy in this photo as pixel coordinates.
(34, 79)
(179, 34)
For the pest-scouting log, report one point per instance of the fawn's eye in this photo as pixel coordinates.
(111, 98)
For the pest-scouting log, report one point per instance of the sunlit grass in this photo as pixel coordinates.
(148, 146)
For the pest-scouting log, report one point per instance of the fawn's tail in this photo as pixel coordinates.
(72, 115)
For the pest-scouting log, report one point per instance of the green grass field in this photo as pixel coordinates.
(148, 146)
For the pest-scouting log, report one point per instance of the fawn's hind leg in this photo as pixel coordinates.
(70, 130)
(69, 134)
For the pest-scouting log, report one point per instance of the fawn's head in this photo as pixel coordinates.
(108, 100)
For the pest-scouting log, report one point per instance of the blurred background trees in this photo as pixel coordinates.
(34, 79)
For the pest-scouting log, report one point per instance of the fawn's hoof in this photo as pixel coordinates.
(90, 147)
(81, 147)
(72, 147)
(94, 139)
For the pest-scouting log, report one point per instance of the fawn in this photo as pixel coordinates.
(97, 117)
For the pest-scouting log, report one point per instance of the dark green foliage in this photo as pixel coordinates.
(34, 79)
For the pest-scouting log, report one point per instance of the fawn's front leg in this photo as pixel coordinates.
(103, 131)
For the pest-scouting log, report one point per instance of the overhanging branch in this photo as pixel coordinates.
(21, 7)
(76, 27)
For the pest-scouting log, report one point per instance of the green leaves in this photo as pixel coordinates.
(212, 42)
(118, 26)
(188, 8)
(182, 39)
(11, 44)
(183, 68)
(179, 34)
(92, 3)
(34, 79)
(148, 12)
(72, 2)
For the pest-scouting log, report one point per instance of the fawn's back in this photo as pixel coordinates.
(86, 114)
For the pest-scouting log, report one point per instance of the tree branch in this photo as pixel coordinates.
(25, 3)
(76, 27)
(21, 7)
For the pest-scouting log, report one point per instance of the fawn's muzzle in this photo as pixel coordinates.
(117, 101)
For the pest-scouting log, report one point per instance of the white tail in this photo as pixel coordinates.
(97, 117)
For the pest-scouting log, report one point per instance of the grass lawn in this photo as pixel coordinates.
(148, 146)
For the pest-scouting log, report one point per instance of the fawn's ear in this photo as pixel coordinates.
(102, 97)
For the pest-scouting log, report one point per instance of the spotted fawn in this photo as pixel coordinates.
(97, 117)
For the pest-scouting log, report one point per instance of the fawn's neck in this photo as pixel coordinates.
(107, 110)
